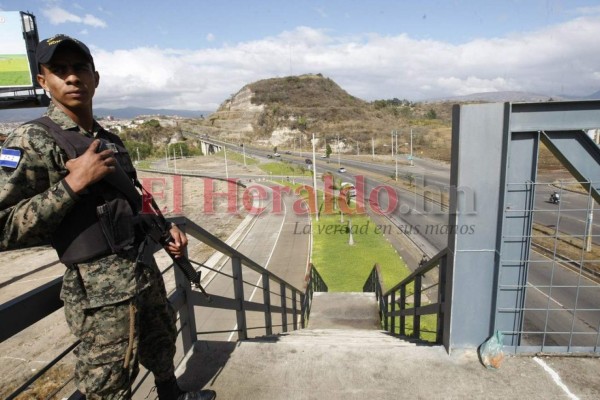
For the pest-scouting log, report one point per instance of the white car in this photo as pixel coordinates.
(341, 170)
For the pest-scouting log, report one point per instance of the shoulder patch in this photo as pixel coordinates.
(10, 157)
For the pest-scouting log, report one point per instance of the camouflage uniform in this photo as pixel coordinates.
(117, 307)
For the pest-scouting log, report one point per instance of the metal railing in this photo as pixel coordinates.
(410, 299)
(315, 283)
(292, 308)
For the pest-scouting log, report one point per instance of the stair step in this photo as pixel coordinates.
(336, 337)
(344, 310)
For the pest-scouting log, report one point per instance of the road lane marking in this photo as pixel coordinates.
(266, 267)
(556, 378)
(542, 292)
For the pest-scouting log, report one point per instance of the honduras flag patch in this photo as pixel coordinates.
(10, 158)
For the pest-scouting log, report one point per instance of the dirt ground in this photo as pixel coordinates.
(23, 270)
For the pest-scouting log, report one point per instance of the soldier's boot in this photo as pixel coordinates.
(169, 390)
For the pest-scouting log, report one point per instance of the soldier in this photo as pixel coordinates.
(115, 303)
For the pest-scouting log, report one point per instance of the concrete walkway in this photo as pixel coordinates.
(357, 363)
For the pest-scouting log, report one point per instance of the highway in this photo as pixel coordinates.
(558, 299)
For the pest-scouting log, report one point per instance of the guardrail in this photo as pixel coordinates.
(411, 292)
(25, 310)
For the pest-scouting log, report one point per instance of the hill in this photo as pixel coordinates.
(26, 114)
(286, 111)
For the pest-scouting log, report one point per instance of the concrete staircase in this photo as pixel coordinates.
(344, 355)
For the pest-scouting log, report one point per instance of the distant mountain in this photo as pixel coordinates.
(497, 97)
(132, 112)
(593, 96)
(26, 114)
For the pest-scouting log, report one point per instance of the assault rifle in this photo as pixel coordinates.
(157, 228)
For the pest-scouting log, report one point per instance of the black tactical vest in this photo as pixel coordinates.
(102, 222)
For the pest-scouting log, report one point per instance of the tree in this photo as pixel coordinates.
(328, 150)
(431, 114)
(274, 149)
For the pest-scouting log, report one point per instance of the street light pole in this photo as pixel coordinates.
(175, 159)
(226, 170)
(392, 135)
(411, 148)
(315, 178)
(372, 148)
(338, 149)
(588, 244)
(396, 158)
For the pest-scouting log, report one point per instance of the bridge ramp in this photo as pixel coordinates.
(342, 356)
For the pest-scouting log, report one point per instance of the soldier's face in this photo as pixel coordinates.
(70, 78)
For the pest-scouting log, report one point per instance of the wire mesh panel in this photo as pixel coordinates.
(550, 287)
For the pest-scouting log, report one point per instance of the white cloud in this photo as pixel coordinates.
(58, 15)
(562, 59)
(90, 20)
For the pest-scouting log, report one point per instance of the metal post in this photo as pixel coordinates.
(416, 306)
(396, 158)
(283, 307)
(174, 159)
(315, 179)
(350, 237)
(294, 310)
(167, 156)
(238, 289)
(186, 313)
(392, 136)
(372, 148)
(588, 242)
(441, 298)
(402, 308)
(411, 148)
(392, 310)
(226, 169)
(267, 301)
(338, 149)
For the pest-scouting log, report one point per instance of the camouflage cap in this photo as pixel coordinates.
(46, 48)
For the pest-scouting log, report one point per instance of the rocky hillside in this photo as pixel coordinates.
(286, 111)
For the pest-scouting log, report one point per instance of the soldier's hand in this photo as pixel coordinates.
(177, 246)
(89, 167)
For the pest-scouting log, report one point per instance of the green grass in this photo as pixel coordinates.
(428, 326)
(345, 267)
(284, 169)
(14, 70)
(237, 157)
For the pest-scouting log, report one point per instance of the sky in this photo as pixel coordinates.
(194, 54)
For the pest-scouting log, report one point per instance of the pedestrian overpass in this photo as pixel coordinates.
(479, 284)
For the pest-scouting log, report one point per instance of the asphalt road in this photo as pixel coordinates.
(559, 301)
(275, 241)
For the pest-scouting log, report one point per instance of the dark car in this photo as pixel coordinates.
(308, 161)
(269, 156)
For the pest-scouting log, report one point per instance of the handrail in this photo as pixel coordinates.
(30, 307)
(398, 294)
(315, 283)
